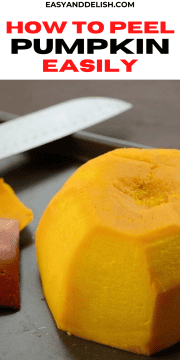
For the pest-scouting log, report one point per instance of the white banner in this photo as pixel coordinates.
(90, 40)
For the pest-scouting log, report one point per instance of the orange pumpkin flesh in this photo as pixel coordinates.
(108, 250)
(12, 208)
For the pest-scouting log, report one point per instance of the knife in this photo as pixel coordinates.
(55, 122)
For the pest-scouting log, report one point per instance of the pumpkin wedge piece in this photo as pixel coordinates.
(12, 208)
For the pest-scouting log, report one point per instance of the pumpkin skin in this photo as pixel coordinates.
(108, 250)
(12, 208)
(9, 264)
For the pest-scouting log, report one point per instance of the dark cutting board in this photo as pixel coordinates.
(31, 333)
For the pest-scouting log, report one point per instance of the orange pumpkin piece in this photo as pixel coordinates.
(108, 250)
(12, 208)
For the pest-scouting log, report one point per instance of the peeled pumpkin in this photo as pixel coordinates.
(108, 250)
(12, 208)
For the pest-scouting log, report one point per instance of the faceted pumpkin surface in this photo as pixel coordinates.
(108, 250)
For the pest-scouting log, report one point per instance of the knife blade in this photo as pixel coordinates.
(55, 122)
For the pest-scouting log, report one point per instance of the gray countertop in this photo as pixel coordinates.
(153, 120)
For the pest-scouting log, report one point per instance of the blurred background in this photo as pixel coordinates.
(153, 120)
